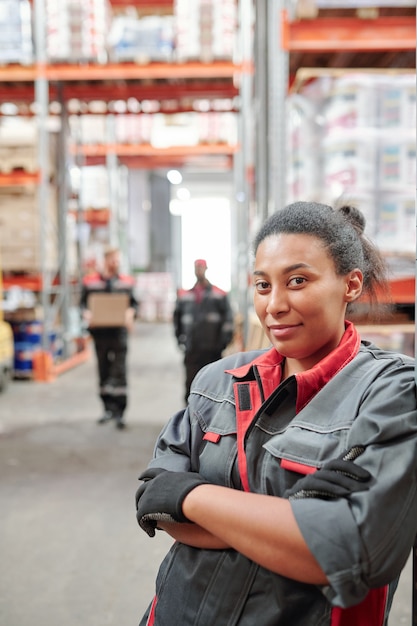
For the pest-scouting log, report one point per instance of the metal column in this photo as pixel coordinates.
(243, 166)
(55, 287)
(261, 109)
(271, 88)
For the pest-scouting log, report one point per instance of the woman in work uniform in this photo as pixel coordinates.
(290, 481)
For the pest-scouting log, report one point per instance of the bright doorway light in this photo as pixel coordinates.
(206, 234)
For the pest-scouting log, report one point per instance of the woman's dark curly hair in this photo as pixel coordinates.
(342, 233)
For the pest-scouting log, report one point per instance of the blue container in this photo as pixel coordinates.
(23, 359)
(34, 333)
(30, 332)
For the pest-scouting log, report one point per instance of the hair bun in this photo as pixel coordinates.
(354, 216)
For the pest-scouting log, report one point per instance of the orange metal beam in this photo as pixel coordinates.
(19, 178)
(206, 163)
(349, 34)
(118, 71)
(134, 71)
(136, 150)
(20, 73)
(403, 290)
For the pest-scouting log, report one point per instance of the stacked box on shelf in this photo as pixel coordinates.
(187, 30)
(16, 32)
(18, 144)
(366, 137)
(156, 294)
(303, 163)
(159, 129)
(76, 30)
(205, 29)
(349, 142)
(23, 243)
(92, 129)
(142, 40)
(217, 127)
(349, 170)
(396, 168)
(396, 219)
(219, 27)
(134, 129)
(396, 101)
(94, 188)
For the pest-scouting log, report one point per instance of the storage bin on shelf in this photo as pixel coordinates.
(28, 343)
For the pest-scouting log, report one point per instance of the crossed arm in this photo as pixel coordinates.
(261, 527)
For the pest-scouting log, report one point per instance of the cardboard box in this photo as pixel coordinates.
(108, 309)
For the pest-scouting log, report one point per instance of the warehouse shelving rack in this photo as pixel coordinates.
(43, 83)
(292, 47)
(283, 43)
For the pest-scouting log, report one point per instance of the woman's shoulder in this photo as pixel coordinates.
(217, 375)
(377, 353)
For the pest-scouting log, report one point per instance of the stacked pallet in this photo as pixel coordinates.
(25, 234)
(25, 237)
(141, 40)
(15, 32)
(160, 129)
(352, 139)
(77, 30)
(205, 30)
(18, 145)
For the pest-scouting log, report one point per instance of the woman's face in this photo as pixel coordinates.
(299, 298)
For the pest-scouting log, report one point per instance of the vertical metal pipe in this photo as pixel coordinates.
(244, 161)
(261, 108)
(111, 166)
(42, 102)
(277, 94)
(62, 242)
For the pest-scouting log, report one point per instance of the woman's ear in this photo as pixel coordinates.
(354, 284)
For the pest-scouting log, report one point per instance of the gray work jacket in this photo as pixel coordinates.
(361, 542)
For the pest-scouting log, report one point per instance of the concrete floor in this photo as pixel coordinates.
(71, 551)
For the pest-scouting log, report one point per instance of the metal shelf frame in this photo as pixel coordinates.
(42, 83)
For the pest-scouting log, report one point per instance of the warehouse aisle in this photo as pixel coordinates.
(70, 547)
(153, 357)
(71, 550)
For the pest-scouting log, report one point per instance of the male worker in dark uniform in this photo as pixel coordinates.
(111, 342)
(203, 323)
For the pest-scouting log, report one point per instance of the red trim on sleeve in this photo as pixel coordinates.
(151, 618)
(300, 468)
(369, 612)
(212, 437)
(243, 421)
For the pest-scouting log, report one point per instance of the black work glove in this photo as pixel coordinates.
(336, 479)
(161, 496)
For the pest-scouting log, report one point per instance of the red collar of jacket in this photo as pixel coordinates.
(311, 381)
(97, 277)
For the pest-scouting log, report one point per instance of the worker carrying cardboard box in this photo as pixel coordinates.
(109, 308)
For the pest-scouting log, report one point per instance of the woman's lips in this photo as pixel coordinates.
(283, 330)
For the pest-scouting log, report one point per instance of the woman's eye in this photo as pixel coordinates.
(261, 285)
(296, 281)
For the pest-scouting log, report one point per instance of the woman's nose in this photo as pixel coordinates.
(277, 302)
